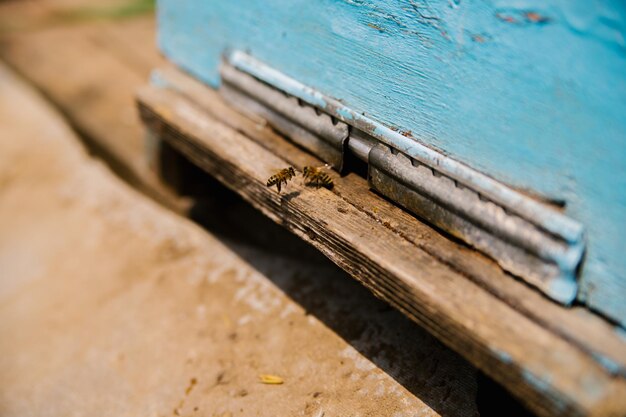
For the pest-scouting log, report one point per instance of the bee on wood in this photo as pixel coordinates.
(315, 176)
(281, 177)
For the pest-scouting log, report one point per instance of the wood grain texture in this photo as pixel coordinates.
(544, 370)
(582, 328)
(529, 92)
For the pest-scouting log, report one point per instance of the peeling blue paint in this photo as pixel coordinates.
(566, 289)
(157, 80)
(543, 384)
(346, 114)
(609, 364)
(537, 101)
(593, 388)
(504, 357)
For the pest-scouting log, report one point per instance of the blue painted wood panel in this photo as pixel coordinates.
(530, 92)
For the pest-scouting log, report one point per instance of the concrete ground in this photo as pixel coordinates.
(111, 305)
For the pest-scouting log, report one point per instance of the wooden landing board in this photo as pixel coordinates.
(582, 328)
(111, 305)
(544, 363)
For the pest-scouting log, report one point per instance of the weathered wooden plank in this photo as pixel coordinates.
(547, 372)
(589, 332)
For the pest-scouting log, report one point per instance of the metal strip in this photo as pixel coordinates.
(312, 129)
(525, 236)
(550, 220)
(516, 244)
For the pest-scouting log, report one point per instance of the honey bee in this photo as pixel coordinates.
(315, 176)
(281, 177)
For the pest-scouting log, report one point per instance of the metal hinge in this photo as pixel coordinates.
(525, 236)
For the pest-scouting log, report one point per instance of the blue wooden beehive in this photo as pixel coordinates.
(526, 93)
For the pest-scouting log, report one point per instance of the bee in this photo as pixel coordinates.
(315, 176)
(281, 177)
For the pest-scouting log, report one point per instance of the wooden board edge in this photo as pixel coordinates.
(550, 388)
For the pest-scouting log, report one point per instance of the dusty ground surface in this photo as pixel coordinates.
(112, 305)
(89, 58)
